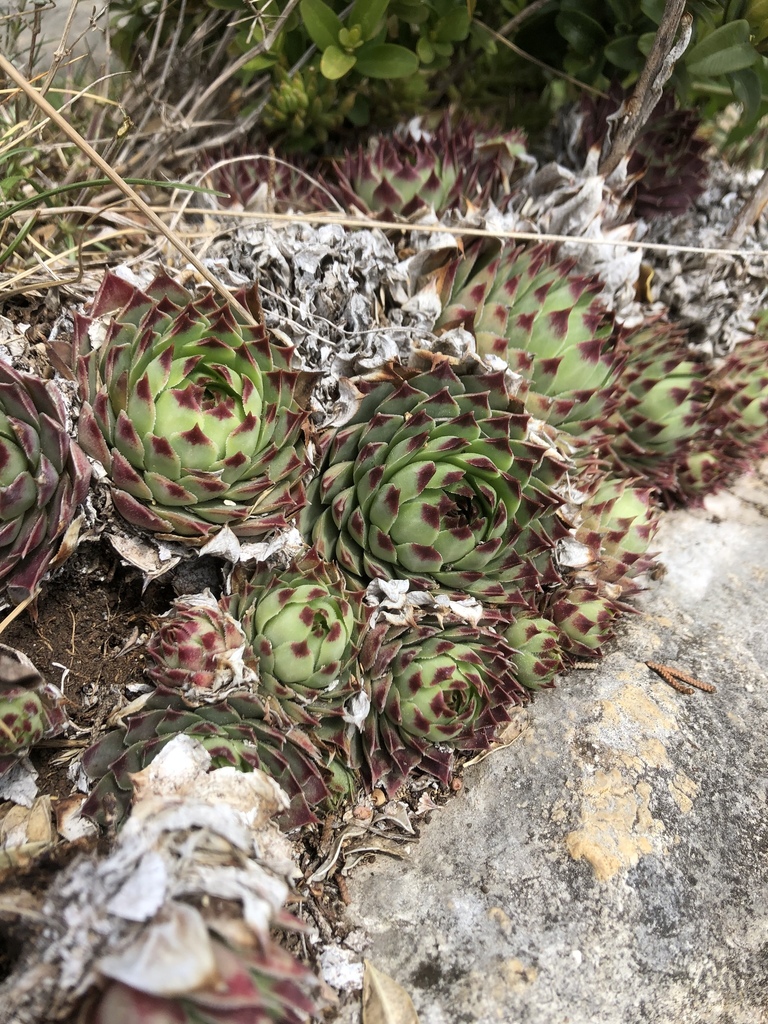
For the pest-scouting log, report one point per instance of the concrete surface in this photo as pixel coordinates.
(610, 866)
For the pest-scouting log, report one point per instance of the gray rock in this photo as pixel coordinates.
(609, 867)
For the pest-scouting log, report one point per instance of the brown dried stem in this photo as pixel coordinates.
(514, 23)
(74, 136)
(750, 211)
(665, 52)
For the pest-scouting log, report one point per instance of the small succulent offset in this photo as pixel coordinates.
(44, 476)
(264, 984)
(192, 414)
(430, 689)
(200, 650)
(537, 649)
(31, 710)
(241, 731)
(438, 479)
(304, 626)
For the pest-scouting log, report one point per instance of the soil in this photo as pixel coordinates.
(85, 636)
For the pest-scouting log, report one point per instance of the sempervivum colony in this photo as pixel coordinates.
(471, 524)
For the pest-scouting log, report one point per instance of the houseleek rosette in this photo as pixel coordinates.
(240, 731)
(304, 626)
(537, 649)
(44, 476)
(264, 984)
(431, 689)
(200, 649)
(403, 175)
(661, 423)
(617, 523)
(546, 322)
(191, 413)
(31, 710)
(437, 479)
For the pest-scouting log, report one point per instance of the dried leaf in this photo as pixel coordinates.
(384, 1001)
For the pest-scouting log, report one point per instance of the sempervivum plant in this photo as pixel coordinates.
(200, 649)
(431, 688)
(537, 649)
(659, 426)
(241, 731)
(264, 984)
(667, 165)
(529, 309)
(438, 479)
(43, 477)
(406, 174)
(192, 414)
(741, 396)
(30, 709)
(585, 619)
(304, 626)
(617, 523)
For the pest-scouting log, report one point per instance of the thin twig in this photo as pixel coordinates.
(126, 189)
(750, 211)
(261, 47)
(540, 63)
(464, 231)
(659, 65)
(514, 24)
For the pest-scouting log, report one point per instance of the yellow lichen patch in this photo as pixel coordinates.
(632, 705)
(516, 974)
(617, 826)
(501, 918)
(683, 791)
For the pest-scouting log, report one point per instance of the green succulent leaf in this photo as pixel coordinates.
(321, 23)
(386, 60)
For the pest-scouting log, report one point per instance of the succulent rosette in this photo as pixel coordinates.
(667, 167)
(661, 421)
(304, 626)
(585, 619)
(428, 690)
(434, 170)
(537, 656)
(241, 731)
(264, 984)
(44, 476)
(617, 523)
(546, 322)
(200, 649)
(31, 710)
(192, 414)
(741, 396)
(438, 479)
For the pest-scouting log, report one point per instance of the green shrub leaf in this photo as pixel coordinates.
(321, 23)
(386, 60)
(367, 14)
(335, 63)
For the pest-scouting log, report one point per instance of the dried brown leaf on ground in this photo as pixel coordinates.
(384, 1001)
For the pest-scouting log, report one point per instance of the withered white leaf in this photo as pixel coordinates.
(384, 1001)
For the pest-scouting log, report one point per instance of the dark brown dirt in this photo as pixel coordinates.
(90, 620)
